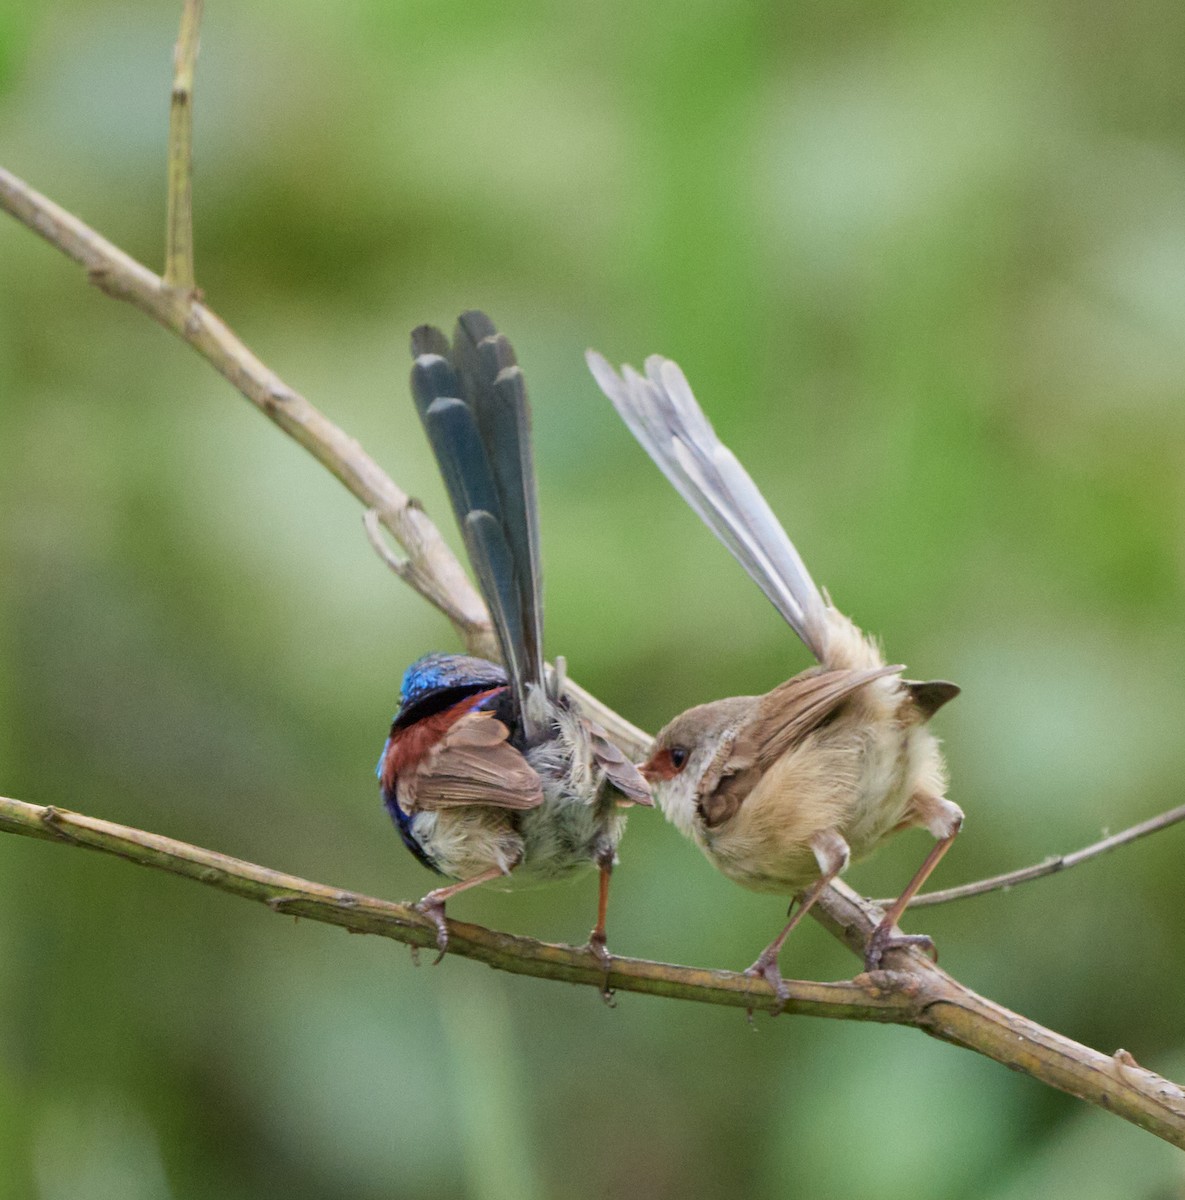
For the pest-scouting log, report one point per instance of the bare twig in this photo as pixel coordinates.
(922, 996)
(632, 740)
(1050, 866)
(372, 523)
(179, 230)
(433, 570)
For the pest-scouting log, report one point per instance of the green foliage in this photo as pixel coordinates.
(922, 264)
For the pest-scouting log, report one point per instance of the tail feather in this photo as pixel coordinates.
(473, 404)
(503, 417)
(661, 412)
(493, 563)
(456, 443)
(427, 339)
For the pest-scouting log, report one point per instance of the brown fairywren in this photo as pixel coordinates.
(781, 791)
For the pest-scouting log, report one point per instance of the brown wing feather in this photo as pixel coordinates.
(726, 781)
(474, 764)
(782, 719)
(620, 772)
(798, 707)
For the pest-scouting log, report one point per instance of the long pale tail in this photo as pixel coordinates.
(473, 404)
(663, 415)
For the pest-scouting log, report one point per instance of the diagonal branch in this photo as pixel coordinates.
(1051, 866)
(923, 996)
(431, 568)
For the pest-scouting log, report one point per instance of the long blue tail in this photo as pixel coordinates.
(473, 404)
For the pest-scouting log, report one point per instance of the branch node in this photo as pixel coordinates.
(276, 398)
(879, 984)
(57, 821)
(372, 522)
(193, 321)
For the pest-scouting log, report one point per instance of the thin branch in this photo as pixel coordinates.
(433, 569)
(1050, 866)
(922, 996)
(179, 230)
(373, 525)
(633, 741)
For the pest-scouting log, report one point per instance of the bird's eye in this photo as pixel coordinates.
(678, 757)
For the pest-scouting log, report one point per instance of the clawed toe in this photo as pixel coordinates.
(884, 939)
(767, 968)
(600, 951)
(434, 911)
(598, 948)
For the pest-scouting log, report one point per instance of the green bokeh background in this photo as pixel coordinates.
(925, 266)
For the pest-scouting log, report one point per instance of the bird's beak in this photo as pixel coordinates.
(646, 770)
(642, 795)
(641, 801)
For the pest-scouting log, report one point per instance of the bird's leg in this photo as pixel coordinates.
(944, 820)
(596, 939)
(766, 965)
(432, 905)
(832, 854)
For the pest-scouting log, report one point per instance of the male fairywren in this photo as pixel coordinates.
(490, 772)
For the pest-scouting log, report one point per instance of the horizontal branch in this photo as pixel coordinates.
(402, 923)
(920, 995)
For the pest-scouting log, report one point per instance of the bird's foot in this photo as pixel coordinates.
(883, 940)
(598, 948)
(433, 909)
(766, 967)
